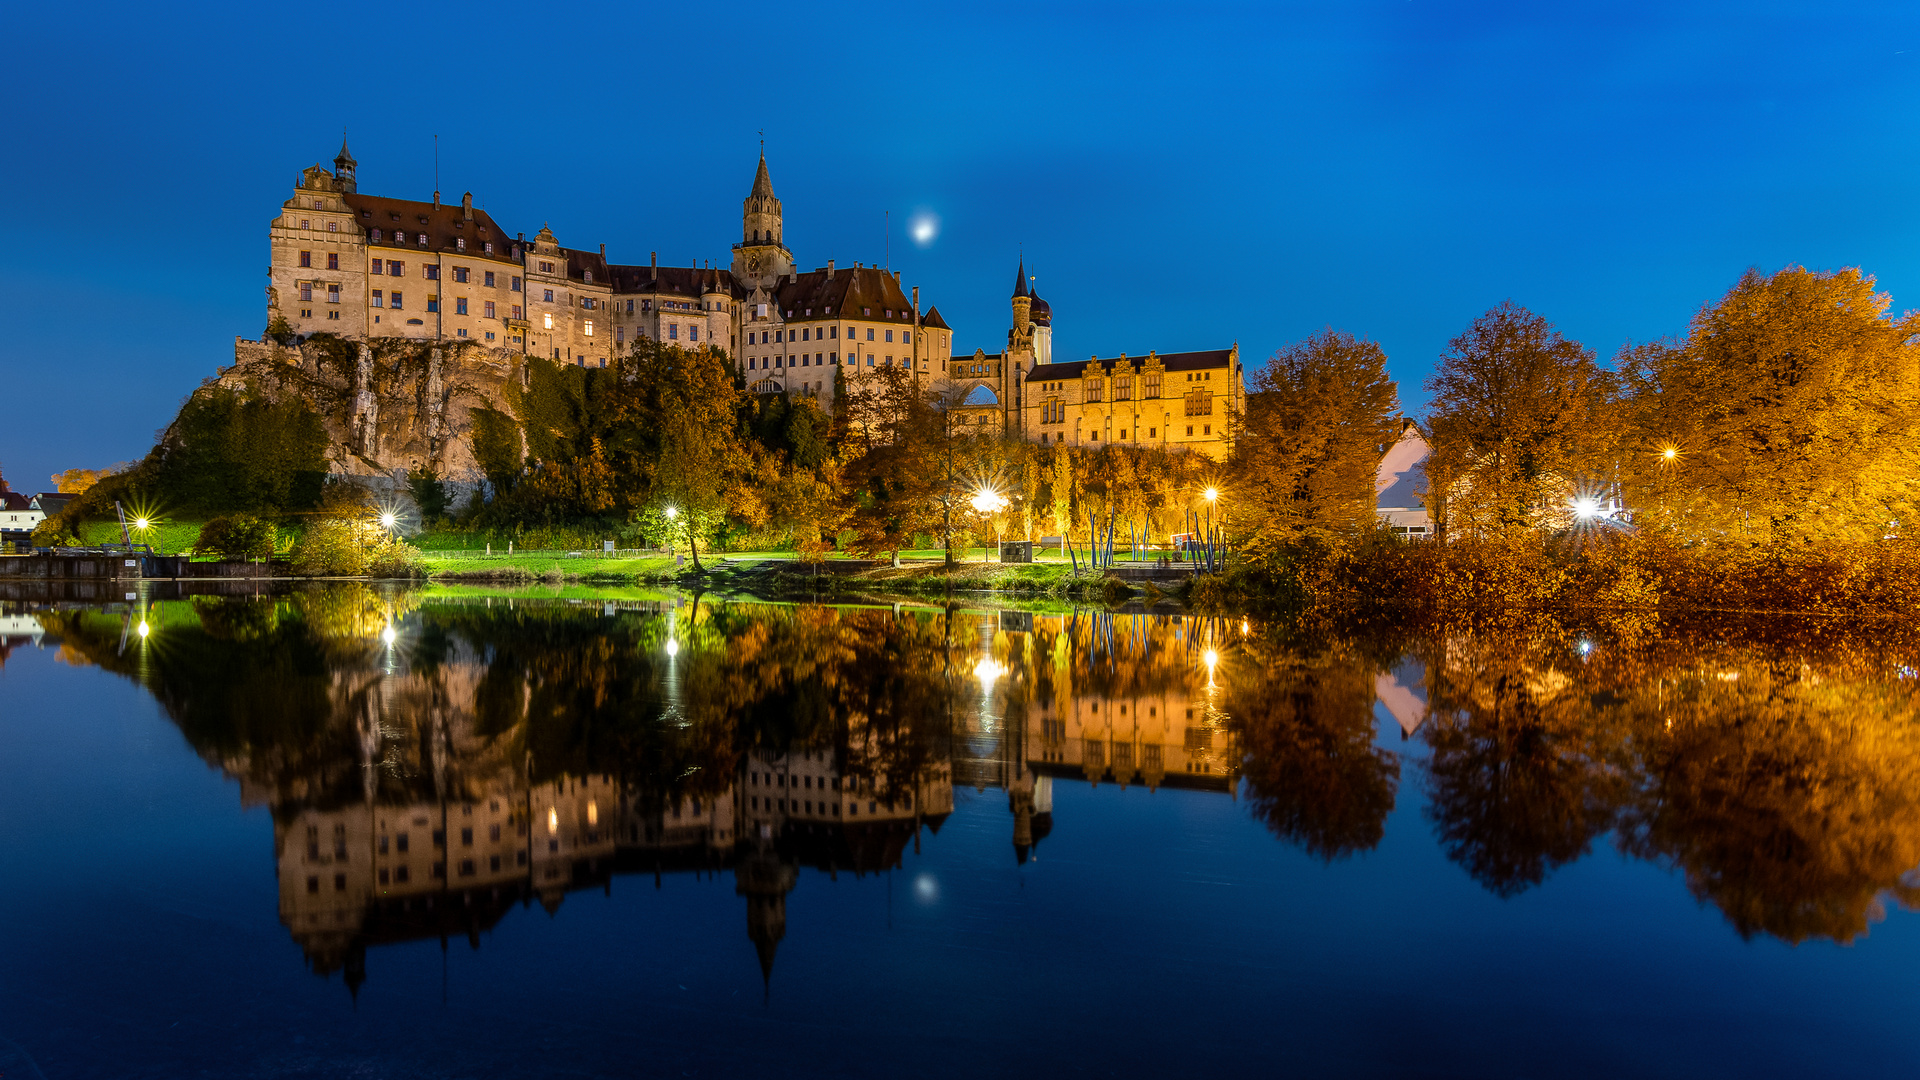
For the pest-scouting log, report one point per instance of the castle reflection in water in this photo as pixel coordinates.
(430, 764)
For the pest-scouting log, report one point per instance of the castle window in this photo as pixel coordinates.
(489, 309)
(395, 268)
(516, 283)
(906, 337)
(629, 307)
(393, 301)
(777, 334)
(1206, 429)
(373, 266)
(489, 279)
(376, 234)
(333, 226)
(488, 246)
(833, 332)
(889, 335)
(306, 258)
(589, 327)
(1152, 386)
(549, 296)
(462, 332)
(431, 272)
(433, 301)
(1095, 391)
(333, 294)
(460, 243)
(459, 305)
(316, 204)
(693, 333)
(673, 331)
(549, 321)
(588, 274)
(866, 311)
(423, 239)
(1199, 403)
(546, 268)
(306, 224)
(805, 333)
(306, 292)
(461, 274)
(517, 312)
(1123, 388)
(869, 333)
(376, 298)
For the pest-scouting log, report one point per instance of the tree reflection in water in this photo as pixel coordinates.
(501, 751)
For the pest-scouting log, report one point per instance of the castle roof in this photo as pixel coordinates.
(865, 292)
(1020, 279)
(932, 318)
(1186, 361)
(691, 281)
(762, 183)
(1041, 312)
(443, 225)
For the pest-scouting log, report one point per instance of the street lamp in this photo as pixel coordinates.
(987, 501)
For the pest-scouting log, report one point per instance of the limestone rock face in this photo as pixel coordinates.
(388, 406)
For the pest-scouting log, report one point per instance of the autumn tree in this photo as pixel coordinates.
(1789, 411)
(1308, 445)
(676, 410)
(1513, 423)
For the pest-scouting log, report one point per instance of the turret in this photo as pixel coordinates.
(1022, 301)
(761, 255)
(343, 167)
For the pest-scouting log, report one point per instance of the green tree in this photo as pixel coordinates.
(429, 492)
(1513, 424)
(1790, 411)
(236, 537)
(241, 450)
(677, 411)
(1308, 447)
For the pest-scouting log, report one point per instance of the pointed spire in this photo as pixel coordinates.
(345, 157)
(1020, 279)
(762, 183)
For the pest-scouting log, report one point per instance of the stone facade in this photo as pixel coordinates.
(369, 269)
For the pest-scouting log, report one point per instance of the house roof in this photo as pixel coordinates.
(863, 292)
(691, 281)
(1402, 472)
(14, 500)
(1186, 361)
(54, 501)
(444, 224)
(932, 319)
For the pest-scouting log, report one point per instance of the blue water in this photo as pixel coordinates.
(1151, 930)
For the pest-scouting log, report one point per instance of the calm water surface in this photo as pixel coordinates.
(353, 833)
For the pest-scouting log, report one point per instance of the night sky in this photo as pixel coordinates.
(1178, 176)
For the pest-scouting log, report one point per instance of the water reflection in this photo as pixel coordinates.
(430, 764)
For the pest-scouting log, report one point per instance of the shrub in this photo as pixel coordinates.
(345, 547)
(54, 532)
(236, 537)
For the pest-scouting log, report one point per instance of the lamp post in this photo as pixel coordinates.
(989, 502)
(1212, 495)
(673, 513)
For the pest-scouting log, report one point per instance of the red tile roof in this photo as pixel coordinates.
(444, 225)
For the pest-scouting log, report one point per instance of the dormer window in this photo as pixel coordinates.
(460, 244)
(395, 217)
(828, 310)
(376, 234)
(588, 275)
(423, 239)
(489, 247)
(366, 213)
(866, 311)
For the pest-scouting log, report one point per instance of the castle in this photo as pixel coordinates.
(366, 267)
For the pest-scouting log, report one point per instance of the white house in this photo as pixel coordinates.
(1396, 486)
(19, 512)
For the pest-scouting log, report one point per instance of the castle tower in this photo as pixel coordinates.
(1022, 304)
(765, 880)
(1040, 315)
(343, 167)
(761, 255)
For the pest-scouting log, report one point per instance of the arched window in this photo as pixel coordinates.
(756, 236)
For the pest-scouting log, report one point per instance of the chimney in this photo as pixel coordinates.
(656, 266)
(522, 237)
(829, 269)
(603, 253)
(896, 275)
(466, 206)
(436, 200)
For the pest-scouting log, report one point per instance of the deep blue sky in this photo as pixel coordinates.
(1181, 176)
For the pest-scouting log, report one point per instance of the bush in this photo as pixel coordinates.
(54, 532)
(344, 547)
(236, 537)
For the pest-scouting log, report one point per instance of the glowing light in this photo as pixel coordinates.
(673, 647)
(1210, 658)
(1669, 453)
(925, 889)
(672, 512)
(924, 228)
(1243, 628)
(388, 519)
(553, 821)
(988, 670)
(387, 635)
(142, 524)
(1210, 494)
(144, 628)
(1586, 647)
(593, 812)
(1585, 509)
(988, 501)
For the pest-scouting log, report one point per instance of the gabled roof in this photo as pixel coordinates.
(688, 281)
(14, 500)
(932, 319)
(865, 292)
(445, 224)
